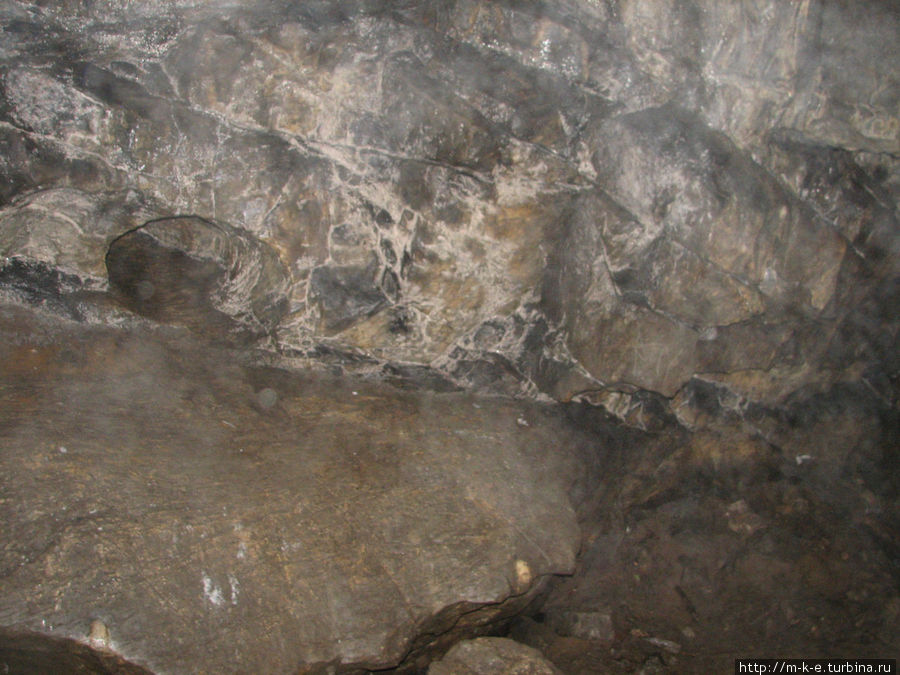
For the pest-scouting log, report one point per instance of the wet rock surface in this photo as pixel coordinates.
(224, 518)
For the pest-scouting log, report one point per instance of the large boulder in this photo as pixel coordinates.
(194, 515)
(689, 248)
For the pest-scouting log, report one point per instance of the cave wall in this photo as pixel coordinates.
(604, 200)
(678, 213)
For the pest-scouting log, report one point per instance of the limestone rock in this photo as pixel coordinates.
(671, 210)
(220, 517)
(820, 68)
(570, 199)
(69, 229)
(687, 184)
(656, 279)
(851, 190)
(486, 656)
(345, 294)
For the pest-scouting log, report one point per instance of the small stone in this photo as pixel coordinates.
(742, 520)
(267, 398)
(523, 573)
(584, 625)
(98, 635)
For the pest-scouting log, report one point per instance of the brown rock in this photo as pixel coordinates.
(218, 517)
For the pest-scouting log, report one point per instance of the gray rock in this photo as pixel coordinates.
(70, 229)
(690, 187)
(488, 656)
(345, 295)
(639, 195)
(39, 285)
(676, 211)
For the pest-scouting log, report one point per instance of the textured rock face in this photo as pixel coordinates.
(554, 199)
(216, 518)
(682, 212)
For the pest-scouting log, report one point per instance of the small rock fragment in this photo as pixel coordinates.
(667, 645)
(267, 398)
(584, 625)
(98, 635)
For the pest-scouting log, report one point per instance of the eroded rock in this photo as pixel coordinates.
(206, 275)
(69, 229)
(675, 211)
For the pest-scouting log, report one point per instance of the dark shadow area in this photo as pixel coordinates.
(26, 653)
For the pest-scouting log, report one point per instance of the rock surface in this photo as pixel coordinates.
(560, 200)
(492, 656)
(683, 214)
(725, 542)
(224, 518)
(201, 274)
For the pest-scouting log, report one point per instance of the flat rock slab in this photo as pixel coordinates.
(194, 515)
